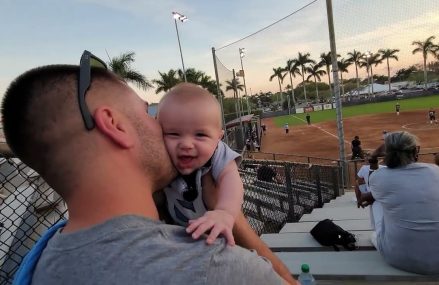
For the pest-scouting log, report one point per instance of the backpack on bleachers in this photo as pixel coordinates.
(329, 234)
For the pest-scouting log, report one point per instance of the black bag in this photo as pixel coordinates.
(329, 234)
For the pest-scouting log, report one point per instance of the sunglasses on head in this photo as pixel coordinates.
(88, 60)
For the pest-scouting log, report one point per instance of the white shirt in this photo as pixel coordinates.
(365, 172)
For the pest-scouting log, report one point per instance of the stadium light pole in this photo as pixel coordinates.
(181, 18)
(241, 55)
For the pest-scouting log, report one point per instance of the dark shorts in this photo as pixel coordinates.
(432, 117)
(286, 131)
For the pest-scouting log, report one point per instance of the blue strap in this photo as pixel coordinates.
(25, 272)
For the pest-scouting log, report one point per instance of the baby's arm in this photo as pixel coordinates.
(227, 207)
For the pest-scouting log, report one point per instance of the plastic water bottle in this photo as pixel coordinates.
(306, 278)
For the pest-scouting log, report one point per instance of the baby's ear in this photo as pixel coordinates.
(221, 134)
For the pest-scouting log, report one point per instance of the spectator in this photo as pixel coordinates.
(267, 173)
(406, 213)
(106, 164)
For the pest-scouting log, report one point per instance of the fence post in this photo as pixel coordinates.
(291, 214)
(318, 186)
(335, 182)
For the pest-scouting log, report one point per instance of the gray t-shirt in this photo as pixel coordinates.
(409, 234)
(137, 250)
(182, 210)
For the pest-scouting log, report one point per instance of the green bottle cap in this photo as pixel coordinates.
(305, 268)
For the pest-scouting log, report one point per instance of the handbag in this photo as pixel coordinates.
(327, 233)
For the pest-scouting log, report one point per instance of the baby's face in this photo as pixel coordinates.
(191, 134)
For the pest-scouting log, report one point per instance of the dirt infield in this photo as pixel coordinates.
(321, 140)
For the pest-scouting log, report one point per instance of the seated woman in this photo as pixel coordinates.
(405, 211)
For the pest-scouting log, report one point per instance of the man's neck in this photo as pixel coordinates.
(108, 198)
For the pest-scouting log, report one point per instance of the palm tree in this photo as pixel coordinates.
(235, 85)
(386, 54)
(302, 60)
(315, 71)
(121, 65)
(326, 60)
(426, 47)
(355, 57)
(280, 75)
(292, 70)
(343, 65)
(166, 81)
(367, 61)
(192, 75)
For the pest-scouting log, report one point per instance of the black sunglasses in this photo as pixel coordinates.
(88, 60)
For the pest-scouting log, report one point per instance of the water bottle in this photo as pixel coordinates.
(305, 278)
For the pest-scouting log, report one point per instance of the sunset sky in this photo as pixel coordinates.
(43, 32)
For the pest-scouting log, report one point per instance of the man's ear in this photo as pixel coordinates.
(114, 126)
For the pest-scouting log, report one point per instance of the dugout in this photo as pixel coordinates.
(250, 124)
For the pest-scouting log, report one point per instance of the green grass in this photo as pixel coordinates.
(365, 109)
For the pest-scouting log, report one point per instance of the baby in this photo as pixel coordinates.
(191, 121)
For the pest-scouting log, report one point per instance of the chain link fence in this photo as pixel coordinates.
(279, 192)
(275, 193)
(28, 206)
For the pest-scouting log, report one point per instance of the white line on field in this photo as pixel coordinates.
(323, 130)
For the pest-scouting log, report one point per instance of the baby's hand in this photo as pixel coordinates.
(217, 221)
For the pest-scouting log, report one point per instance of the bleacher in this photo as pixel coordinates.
(295, 246)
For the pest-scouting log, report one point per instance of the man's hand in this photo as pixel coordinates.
(217, 221)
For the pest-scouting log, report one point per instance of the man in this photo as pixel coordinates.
(105, 156)
(308, 118)
(357, 152)
(286, 128)
(362, 183)
(407, 217)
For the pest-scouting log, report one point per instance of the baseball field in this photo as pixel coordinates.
(367, 121)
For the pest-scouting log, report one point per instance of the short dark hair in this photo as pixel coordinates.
(34, 103)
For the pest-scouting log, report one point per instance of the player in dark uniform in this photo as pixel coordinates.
(397, 108)
(432, 116)
(357, 152)
(308, 118)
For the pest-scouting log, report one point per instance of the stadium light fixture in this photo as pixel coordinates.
(181, 18)
(241, 55)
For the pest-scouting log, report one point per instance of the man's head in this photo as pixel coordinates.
(44, 128)
(357, 137)
(191, 120)
(401, 149)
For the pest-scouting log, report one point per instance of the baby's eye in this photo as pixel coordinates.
(201, 135)
(172, 134)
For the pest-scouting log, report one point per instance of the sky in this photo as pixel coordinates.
(35, 33)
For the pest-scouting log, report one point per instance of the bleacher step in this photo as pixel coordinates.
(348, 225)
(343, 213)
(349, 265)
(299, 242)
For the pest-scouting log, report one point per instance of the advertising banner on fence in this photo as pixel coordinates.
(318, 107)
(299, 110)
(308, 109)
(327, 106)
